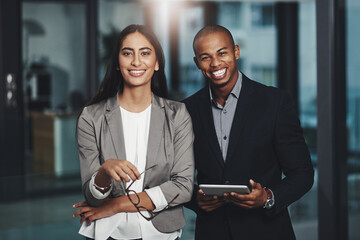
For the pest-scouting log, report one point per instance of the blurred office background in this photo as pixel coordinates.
(53, 55)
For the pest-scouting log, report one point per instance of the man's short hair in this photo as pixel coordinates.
(212, 29)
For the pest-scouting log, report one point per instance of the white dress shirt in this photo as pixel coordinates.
(132, 225)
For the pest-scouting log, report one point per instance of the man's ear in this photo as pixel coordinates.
(237, 52)
(196, 62)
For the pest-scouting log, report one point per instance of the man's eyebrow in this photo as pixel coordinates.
(131, 49)
(221, 49)
(203, 54)
(224, 48)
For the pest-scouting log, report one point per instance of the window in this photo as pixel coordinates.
(304, 211)
(262, 15)
(353, 114)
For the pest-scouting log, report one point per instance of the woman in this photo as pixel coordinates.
(135, 148)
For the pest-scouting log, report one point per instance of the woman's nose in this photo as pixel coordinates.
(136, 60)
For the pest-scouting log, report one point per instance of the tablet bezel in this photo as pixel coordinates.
(219, 189)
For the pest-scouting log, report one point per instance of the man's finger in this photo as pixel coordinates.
(206, 198)
(211, 207)
(208, 203)
(254, 184)
(241, 197)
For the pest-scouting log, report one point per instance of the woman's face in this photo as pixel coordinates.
(137, 60)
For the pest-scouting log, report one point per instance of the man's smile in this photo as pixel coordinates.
(219, 74)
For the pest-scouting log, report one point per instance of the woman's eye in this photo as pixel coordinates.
(127, 53)
(145, 53)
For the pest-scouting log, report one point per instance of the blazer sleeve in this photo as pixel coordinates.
(88, 154)
(182, 173)
(293, 157)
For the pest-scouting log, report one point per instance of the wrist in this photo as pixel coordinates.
(270, 200)
(120, 204)
(102, 182)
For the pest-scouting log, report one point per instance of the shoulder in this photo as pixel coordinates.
(202, 93)
(94, 111)
(175, 111)
(273, 94)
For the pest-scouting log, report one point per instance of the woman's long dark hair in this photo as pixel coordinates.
(113, 81)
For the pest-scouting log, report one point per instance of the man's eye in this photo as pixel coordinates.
(222, 53)
(204, 58)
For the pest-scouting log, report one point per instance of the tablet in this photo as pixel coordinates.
(217, 189)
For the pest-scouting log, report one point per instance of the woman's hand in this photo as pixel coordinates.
(90, 214)
(119, 169)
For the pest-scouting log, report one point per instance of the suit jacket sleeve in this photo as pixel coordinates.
(88, 154)
(293, 157)
(182, 173)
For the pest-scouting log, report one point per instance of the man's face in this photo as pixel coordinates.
(216, 57)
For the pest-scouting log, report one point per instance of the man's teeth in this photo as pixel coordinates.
(220, 72)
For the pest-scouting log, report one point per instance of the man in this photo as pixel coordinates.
(245, 133)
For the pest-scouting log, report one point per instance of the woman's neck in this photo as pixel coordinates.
(135, 99)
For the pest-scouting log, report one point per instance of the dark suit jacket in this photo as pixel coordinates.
(265, 142)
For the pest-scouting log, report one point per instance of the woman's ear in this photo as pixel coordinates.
(157, 66)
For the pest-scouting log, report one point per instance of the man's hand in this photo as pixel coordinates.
(119, 169)
(208, 203)
(90, 214)
(256, 198)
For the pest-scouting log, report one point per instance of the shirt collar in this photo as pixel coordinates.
(235, 91)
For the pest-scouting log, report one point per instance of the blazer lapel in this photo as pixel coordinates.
(113, 118)
(207, 121)
(156, 132)
(242, 112)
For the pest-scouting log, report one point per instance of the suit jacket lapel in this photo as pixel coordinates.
(156, 133)
(241, 113)
(113, 118)
(207, 120)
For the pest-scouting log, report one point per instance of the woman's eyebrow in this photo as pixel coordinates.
(131, 49)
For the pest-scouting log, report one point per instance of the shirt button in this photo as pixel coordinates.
(225, 137)
(225, 111)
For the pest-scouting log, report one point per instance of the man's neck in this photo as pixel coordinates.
(221, 94)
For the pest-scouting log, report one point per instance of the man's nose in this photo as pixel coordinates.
(215, 62)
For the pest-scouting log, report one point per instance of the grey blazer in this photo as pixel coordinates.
(170, 146)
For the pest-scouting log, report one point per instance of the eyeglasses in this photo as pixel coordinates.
(135, 200)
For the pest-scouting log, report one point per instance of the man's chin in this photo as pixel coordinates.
(218, 85)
